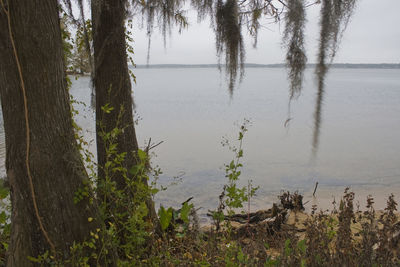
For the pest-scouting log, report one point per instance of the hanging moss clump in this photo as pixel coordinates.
(229, 39)
(293, 39)
(334, 17)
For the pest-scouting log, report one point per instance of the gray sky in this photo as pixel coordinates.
(373, 36)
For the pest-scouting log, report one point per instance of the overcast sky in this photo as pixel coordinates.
(373, 36)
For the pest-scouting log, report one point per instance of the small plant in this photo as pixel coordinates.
(171, 219)
(368, 233)
(387, 246)
(344, 250)
(232, 196)
(125, 227)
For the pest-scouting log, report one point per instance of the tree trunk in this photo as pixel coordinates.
(54, 160)
(112, 81)
(113, 86)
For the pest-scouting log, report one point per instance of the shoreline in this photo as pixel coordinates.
(323, 199)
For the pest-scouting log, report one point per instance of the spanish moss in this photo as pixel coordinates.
(204, 8)
(229, 39)
(256, 10)
(342, 13)
(166, 13)
(335, 15)
(293, 39)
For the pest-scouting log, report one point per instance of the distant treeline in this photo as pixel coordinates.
(250, 65)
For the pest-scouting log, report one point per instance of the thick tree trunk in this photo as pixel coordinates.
(54, 161)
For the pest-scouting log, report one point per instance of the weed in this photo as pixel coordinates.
(232, 196)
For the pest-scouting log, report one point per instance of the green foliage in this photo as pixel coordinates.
(171, 219)
(185, 211)
(123, 209)
(123, 219)
(165, 217)
(129, 48)
(43, 259)
(86, 190)
(234, 256)
(233, 196)
(5, 223)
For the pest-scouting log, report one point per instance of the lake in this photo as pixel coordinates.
(190, 110)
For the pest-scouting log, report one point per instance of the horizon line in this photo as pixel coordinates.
(274, 65)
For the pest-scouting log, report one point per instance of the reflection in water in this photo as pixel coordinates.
(318, 108)
(190, 110)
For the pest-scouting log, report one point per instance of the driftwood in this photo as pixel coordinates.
(255, 217)
(269, 225)
(270, 220)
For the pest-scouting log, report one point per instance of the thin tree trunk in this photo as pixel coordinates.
(56, 169)
(113, 86)
(112, 81)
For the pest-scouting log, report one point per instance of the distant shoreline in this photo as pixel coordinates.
(281, 65)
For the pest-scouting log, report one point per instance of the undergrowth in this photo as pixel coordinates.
(127, 235)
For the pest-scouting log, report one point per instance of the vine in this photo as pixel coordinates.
(23, 88)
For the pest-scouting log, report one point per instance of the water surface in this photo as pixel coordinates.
(190, 110)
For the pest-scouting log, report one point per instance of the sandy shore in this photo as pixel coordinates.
(324, 196)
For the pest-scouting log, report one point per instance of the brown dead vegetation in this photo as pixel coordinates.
(285, 235)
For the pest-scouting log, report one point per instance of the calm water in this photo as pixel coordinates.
(190, 110)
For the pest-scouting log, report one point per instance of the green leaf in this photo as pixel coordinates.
(232, 165)
(142, 155)
(218, 216)
(106, 108)
(32, 259)
(180, 235)
(185, 211)
(165, 217)
(240, 256)
(5, 245)
(112, 147)
(3, 217)
(4, 191)
(134, 170)
(108, 164)
(271, 262)
(154, 191)
(301, 245)
(142, 210)
(288, 250)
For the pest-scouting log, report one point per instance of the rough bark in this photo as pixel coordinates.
(54, 160)
(112, 81)
(112, 84)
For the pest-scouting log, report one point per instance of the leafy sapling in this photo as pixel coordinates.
(233, 197)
